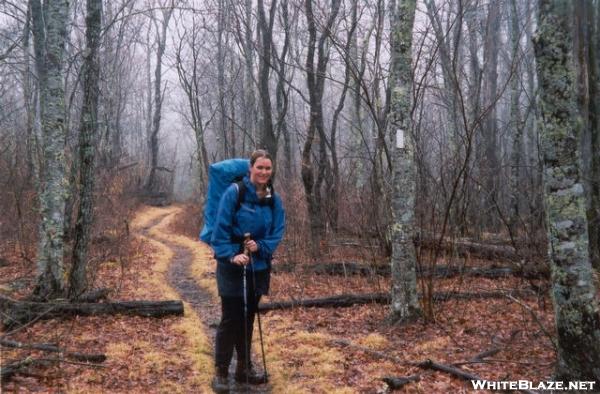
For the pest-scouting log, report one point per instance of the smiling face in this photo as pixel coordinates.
(261, 171)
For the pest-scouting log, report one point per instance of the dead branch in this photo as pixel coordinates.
(396, 383)
(372, 352)
(459, 373)
(537, 320)
(485, 354)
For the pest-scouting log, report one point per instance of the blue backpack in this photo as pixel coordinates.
(220, 176)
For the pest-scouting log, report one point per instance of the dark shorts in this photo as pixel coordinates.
(230, 279)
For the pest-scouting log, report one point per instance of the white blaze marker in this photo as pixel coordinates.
(400, 139)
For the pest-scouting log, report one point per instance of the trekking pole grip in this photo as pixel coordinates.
(246, 238)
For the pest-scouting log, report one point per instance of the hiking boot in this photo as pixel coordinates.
(243, 375)
(220, 383)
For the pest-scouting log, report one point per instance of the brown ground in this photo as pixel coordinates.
(304, 352)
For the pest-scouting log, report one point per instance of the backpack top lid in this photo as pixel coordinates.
(220, 176)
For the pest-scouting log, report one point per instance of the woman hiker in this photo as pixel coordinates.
(245, 235)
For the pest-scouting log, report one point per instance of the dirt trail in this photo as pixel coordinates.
(180, 278)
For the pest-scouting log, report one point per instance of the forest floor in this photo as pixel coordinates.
(309, 350)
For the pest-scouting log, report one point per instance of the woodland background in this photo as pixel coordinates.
(109, 104)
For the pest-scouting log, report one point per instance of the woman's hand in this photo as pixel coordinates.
(240, 259)
(251, 245)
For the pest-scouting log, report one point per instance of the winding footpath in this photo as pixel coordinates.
(190, 273)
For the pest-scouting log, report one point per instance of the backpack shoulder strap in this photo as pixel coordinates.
(241, 187)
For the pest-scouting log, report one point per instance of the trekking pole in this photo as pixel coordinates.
(262, 345)
(260, 335)
(245, 286)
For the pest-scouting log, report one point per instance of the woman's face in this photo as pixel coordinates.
(261, 171)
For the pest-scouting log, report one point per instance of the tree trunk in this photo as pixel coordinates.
(31, 107)
(268, 140)
(50, 32)
(148, 95)
(282, 98)
(490, 159)
(87, 148)
(333, 182)
(468, 214)
(249, 101)
(515, 121)
(315, 79)
(593, 214)
(307, 171)
(152, 183)
(533, 169)
(405, 303)
(447, 63)
(574, 294)
(221, 42)
(190, 81)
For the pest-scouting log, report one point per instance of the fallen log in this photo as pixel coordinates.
(364, 269)
(490, 249)
(12, 368)
(94, 295)
(348, 268)
(8, 370)
(20, 312)
(346, 300)
(47, 347)
(449, 272)
(470, 248)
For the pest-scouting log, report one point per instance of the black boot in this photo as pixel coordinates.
(243, 375)
(220, 384)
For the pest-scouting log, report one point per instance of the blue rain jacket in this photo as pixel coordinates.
(266, 225)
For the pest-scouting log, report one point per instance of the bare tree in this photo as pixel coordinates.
(268, 139)
(222, 41)
(315, 79)
(161, 38)
(190, 77)
(282, 90)
(515, 119)
(249, 104)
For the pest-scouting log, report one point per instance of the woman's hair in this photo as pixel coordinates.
(259, 154)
